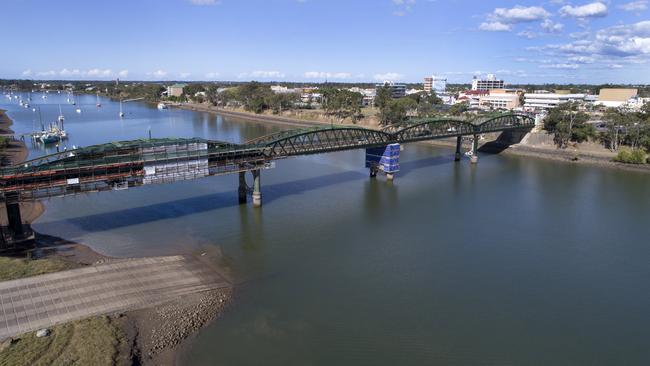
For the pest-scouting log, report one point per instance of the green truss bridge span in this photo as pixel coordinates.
(126, 164)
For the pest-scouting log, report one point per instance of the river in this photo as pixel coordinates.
(514, 261)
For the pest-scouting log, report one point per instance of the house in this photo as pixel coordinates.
(175, 90)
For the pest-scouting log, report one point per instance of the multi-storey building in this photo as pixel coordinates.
(396, 90)
(489, 83)
(435, 83)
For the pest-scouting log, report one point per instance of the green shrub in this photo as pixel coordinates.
(628, 156)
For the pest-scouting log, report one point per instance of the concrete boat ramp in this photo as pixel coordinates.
(33, 303)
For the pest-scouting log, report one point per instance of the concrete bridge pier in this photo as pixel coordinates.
(474, 158)
(257, 192)
(373, 171)
(243, 189)
(459, 143)
(13, 214)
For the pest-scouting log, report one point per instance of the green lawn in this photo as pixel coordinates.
(94, 341)
(12, 268)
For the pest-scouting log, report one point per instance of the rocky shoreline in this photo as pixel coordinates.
(155, 335)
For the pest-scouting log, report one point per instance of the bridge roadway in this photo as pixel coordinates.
(126, 164)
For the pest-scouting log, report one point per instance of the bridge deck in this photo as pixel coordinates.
(124, 164)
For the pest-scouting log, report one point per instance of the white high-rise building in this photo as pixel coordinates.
(436, 83)
(489, 83)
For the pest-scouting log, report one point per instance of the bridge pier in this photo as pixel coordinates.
(474, 158)
(243, 189)
(459, 143)
(373, 171)
(14, 219)
(257, 192)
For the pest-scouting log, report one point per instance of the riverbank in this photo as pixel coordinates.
(574, 155)
(152, 336)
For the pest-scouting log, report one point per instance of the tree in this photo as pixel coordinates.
(459, 108)
(342, 103)
(383, 96)
(396, 110)
(282, 101)
(425, 103)
(626, 128)
(568, 124)
(190, 90)
(253, 96)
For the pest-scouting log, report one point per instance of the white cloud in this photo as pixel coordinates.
(27, 72)
(158, 74)
(99, 73)
(391, 76)
(615, 66)
(46, 73)
(327, 75)
(69, 73)
(550, 27)
(563, 66)
(184, 75)
(205, 2)
(263, 74)
(635, 6)
(582, 59)
(631, 40)
(593, 10)
(527, 34)
(495, 27)
(403, 7)
(519, 14)
(212, 75)
(123, 73)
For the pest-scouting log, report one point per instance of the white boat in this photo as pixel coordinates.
(78, 110)
(121, 113)
(98, 103)
(162, 105)
(60, 118)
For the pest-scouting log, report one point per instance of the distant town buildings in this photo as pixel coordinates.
(501, 99)
(175, 90)
(616, 97)
(547, 100)
(436, 84)
(396, 90)
(491, 82)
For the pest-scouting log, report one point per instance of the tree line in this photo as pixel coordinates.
(624, 131)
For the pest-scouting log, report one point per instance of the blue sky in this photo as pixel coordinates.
(338, 40)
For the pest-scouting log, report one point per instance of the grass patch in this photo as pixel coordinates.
(13, 268)
(93, 341)
(631, 156)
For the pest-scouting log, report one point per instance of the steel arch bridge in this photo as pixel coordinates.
(120, 165)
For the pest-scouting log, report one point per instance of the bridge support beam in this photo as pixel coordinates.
(474, 158)
(459, 143)
(257, 192)
(14, 219)
(243, 189)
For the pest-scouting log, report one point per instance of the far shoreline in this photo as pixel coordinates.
(567, 156)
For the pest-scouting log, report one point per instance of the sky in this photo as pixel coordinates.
(523, 41)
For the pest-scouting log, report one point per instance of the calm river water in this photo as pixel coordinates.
(515, 261)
